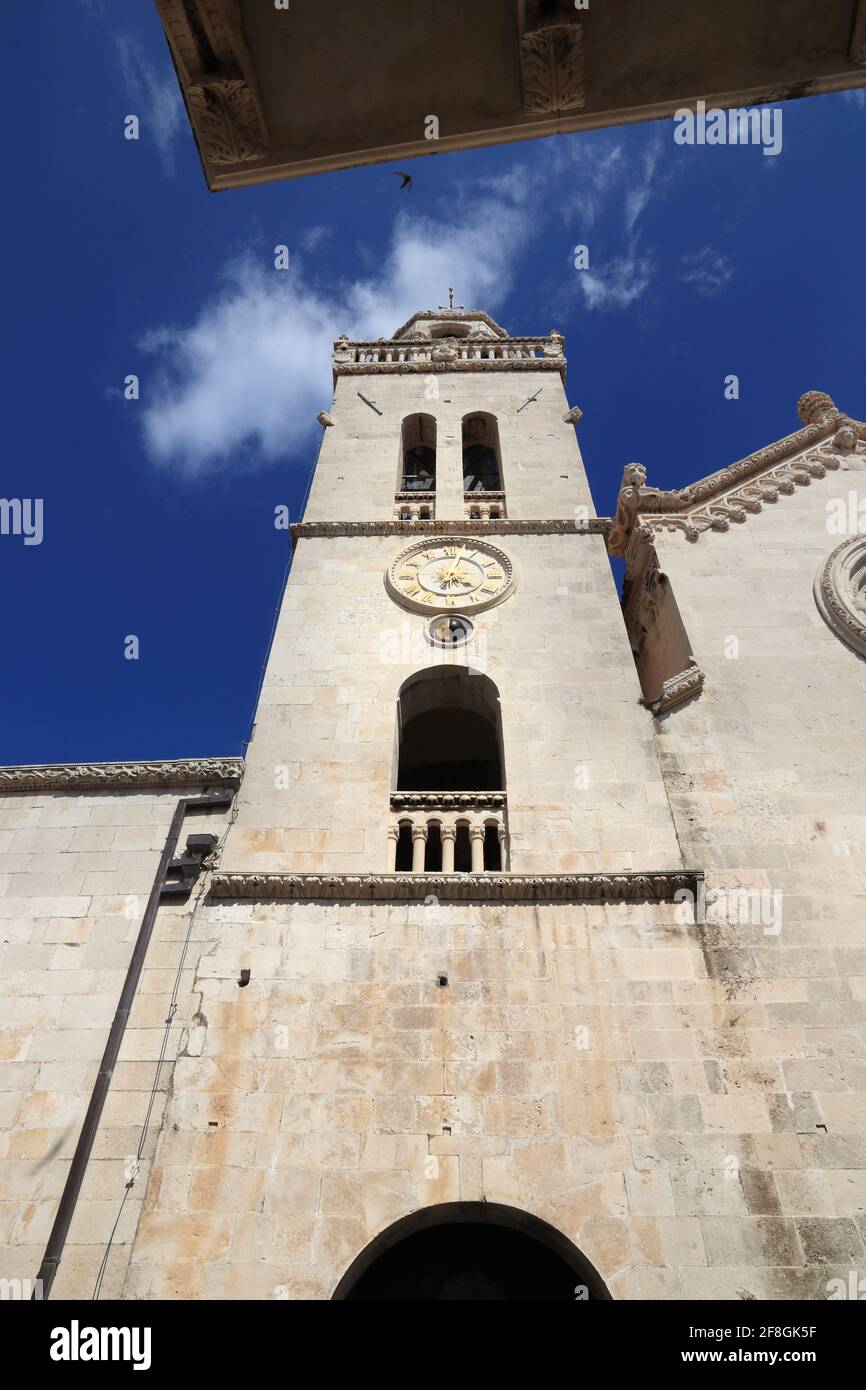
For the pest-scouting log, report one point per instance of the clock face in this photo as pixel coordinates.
(450, 574)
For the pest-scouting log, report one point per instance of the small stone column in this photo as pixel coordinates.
(449, 835)
(503, 845)
(419, 842)
(393, 840)
(476, 836)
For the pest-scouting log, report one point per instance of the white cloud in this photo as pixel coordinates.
(618, 284)
(856, 97)
(156, 97)
(247, 378)
(313, 237)
(707, 271)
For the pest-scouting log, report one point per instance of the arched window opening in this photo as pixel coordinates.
(450, 330)
(482, 459)
(424, 514)
(433, 849)
(468, 1251)
(418, 454)
(462, 850)
(450, 736)
(492, 851)
(403, 863)
(494, 513)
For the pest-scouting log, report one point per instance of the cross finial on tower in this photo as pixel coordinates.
(450, 297)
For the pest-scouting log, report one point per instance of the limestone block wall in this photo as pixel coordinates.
(572, 1067)
(75, 873)
(356, 475)
(583, 780)
(765, 775)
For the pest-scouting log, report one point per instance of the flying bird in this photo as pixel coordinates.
(407, 178)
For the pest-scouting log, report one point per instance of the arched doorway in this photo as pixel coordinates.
(471, 1251)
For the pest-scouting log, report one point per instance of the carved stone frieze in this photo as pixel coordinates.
(452, 364)
(840, 592)
(217, 77)
(505, 526)
(75, 777)
(483, 887)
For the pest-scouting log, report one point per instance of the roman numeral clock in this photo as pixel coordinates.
(450, 575)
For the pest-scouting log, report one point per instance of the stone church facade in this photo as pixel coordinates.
(533, 921)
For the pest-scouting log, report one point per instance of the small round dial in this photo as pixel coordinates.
(451, 574)
(449, 630)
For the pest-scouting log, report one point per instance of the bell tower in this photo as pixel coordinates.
(450, 663)
(452, 843)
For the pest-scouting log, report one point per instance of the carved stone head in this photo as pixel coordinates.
(633, 475)
(845, 439)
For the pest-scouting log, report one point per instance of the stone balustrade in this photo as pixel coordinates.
(448, 832)
(483, 506)
(414, 506)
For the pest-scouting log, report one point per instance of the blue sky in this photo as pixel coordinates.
(158, 513)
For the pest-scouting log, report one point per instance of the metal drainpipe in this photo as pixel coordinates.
(75, 1177)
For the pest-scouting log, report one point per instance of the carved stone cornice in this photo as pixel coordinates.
(452, 364)
(79, 777)
(446, 801)
(677, 689)
(217, 77)
(741, 489)
(552, 67)
(840, 592)
(500, 526)
(485, 887)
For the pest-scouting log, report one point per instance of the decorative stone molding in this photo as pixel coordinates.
(77, 777)
(677, 689)
(216, 73)
(741, 489)
(840, 592)
(446, 801)
(476, 887)
(552, 66)
(505, 526)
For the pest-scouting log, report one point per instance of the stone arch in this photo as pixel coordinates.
(449, 732)
(482, 453)
(417, 464)
(471, 1251)
(840, 592)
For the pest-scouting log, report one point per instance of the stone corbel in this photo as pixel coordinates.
(573, 416)
(551, 60)
(217, 76)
